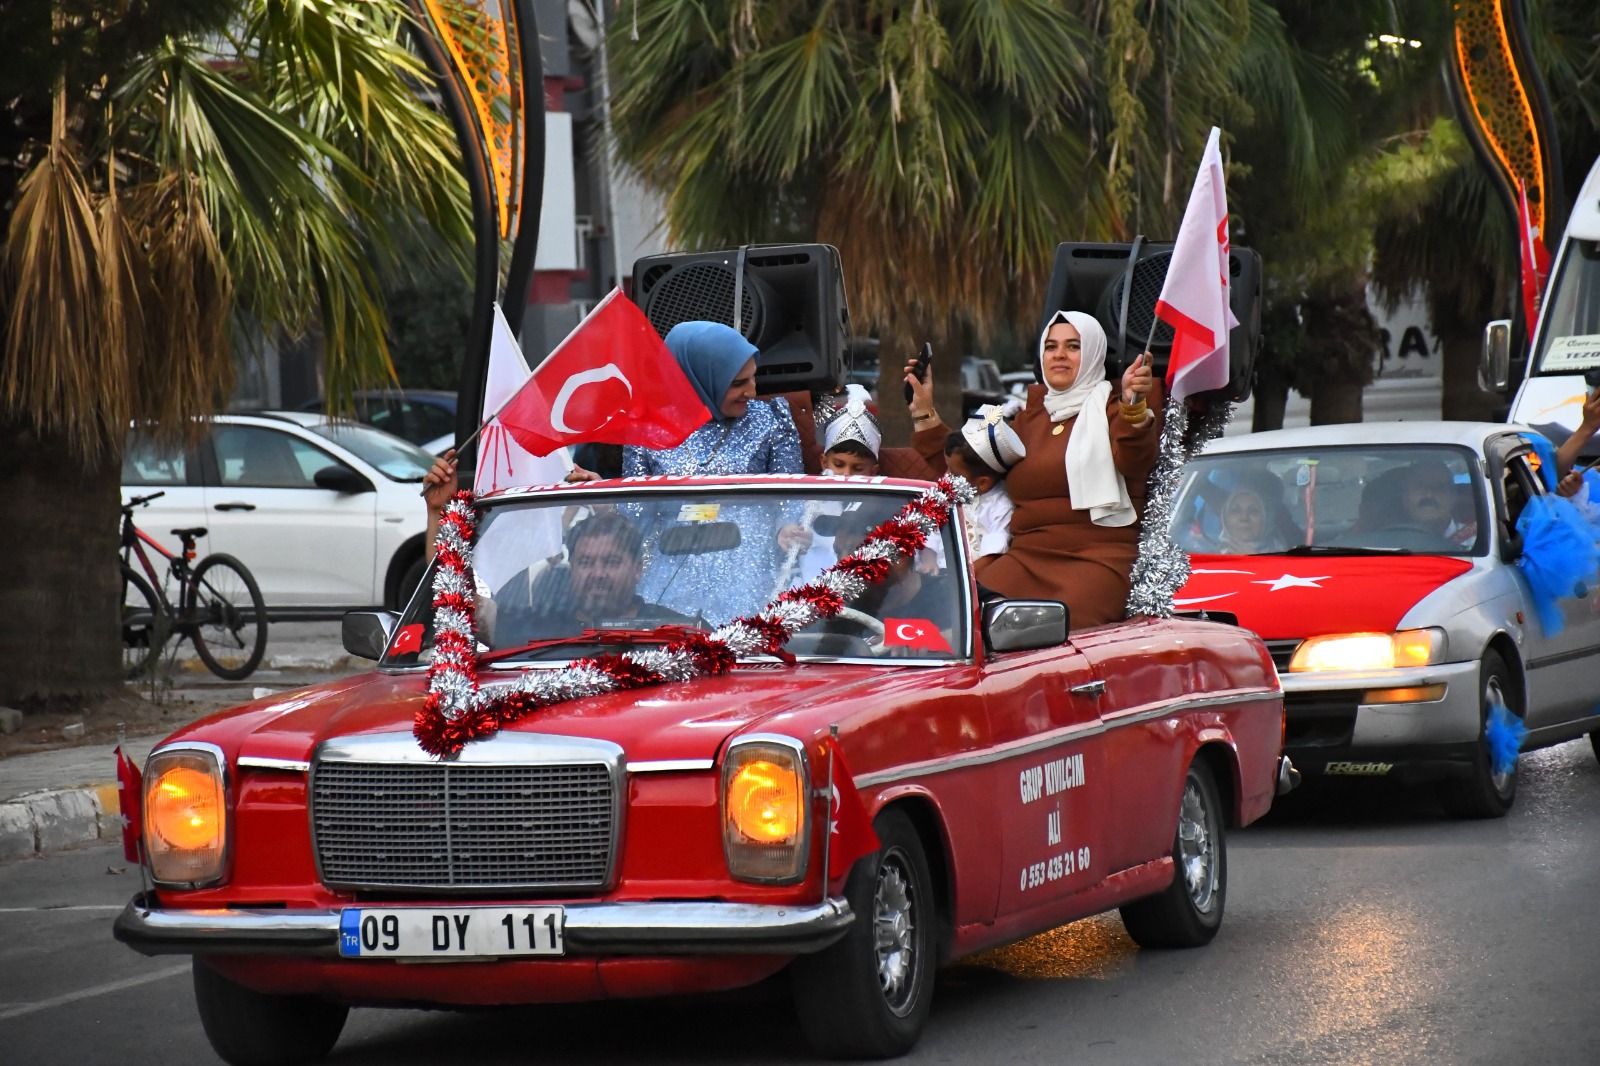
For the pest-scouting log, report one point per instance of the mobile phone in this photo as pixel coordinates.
(919, 369)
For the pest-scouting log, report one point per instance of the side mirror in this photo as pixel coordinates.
(1022, 625)
(341, 479)
(366, 633)
(1494, 361)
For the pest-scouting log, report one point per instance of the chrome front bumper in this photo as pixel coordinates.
(690, 928)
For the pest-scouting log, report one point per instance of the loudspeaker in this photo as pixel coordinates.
(792, 307)
(1093, 277)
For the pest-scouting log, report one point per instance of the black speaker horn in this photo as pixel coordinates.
(791, 306)
(1120, 283)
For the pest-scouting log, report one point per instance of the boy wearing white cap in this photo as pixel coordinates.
(984, 452)
(850, 440)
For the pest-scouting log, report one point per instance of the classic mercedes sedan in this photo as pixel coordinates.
(1383, 572)
(921, 775)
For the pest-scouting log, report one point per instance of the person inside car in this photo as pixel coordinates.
(906, 593)
(597, 589)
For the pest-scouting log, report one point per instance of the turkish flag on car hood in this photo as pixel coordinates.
(611, 381)
(1283, 596)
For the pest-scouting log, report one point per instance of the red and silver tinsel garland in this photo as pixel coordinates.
(459, 709)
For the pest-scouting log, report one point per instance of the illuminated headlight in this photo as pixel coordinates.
(765, 824)
(185, 817)
(1370, 651)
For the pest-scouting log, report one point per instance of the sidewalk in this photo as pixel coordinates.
(68, 796)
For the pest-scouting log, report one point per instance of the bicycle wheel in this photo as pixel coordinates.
(145, 624)
(224, 613)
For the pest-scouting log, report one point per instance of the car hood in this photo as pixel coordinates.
(1287, 596)
(680, 721)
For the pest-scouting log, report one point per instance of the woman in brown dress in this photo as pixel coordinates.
(1080, 489)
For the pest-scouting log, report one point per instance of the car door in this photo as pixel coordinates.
(1560, 666)
(149, 468)
(307, 546)
(1051, 780)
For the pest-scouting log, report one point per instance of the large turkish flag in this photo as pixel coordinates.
(611, 381)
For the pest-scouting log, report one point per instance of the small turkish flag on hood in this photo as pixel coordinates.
(611, 381)
(913, 633)
(130, 797)
(407, 638)
(850, 830)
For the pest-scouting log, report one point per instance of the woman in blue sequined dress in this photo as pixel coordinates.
(746, 435)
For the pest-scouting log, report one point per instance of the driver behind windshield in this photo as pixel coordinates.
(605, 562)
(906, 593)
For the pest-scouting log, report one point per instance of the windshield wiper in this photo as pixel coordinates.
(659, 635)
(1335, 549)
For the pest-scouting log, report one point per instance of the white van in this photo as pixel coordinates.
(1566, 343)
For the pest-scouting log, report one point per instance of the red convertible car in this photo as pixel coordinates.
(307, 851)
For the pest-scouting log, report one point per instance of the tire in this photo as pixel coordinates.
(224, 614)
(1482, 793)
(146, 625)
(409, 580)
(248, 1028)
(1188, 913)
(840, 993)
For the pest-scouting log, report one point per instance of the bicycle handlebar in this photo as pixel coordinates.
(140, 501)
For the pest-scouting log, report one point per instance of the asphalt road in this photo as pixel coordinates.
(1362, 926)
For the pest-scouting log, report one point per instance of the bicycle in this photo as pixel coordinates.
(219, 606)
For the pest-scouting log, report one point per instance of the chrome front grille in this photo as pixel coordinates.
(459, 827)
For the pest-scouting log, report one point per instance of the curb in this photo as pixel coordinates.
(57, 818)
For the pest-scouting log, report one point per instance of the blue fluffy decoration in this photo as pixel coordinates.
(1559, 557)
(1547, 458)
(1504, 733)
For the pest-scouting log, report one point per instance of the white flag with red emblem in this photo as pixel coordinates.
(1194, 296)
(611, 381)
(501, 459)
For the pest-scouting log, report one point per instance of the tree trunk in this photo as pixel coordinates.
(1335, 402)
(1463, 399)
(894, 352)
(60, 634)
(1272, 399)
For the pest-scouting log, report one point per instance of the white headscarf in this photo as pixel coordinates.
(1093, 483)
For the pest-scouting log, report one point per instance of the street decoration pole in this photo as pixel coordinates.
(485, 56)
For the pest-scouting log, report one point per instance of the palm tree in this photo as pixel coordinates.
(1458, 244)
(188, 165)
(945, 148)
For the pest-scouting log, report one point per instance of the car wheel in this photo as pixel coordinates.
(1189, 912)
(249, 1028)
(408, 584)
(867, 996)
(1483, 793)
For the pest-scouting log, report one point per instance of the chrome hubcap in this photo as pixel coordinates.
(1197, 848)
(894, 932)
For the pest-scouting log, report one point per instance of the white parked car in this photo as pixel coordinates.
(1379, 564)
(327, 515)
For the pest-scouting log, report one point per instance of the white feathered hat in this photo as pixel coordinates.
(851, 420)
(992, 437)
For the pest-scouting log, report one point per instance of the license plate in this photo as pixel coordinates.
(450, 933)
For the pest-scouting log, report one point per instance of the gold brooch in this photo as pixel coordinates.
(1060, 426)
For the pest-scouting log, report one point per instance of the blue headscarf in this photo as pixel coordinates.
(711, 355)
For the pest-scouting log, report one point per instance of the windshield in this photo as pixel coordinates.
(394, 458)
(1398, 499)
(1569, 339)
(582, 573)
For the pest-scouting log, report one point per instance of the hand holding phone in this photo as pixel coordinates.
(919, 368)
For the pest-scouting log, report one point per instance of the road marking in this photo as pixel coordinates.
(89, 993)
(73, 907)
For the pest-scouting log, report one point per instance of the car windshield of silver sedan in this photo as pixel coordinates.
(394, 458)
(1378, 500)
(574, 574)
